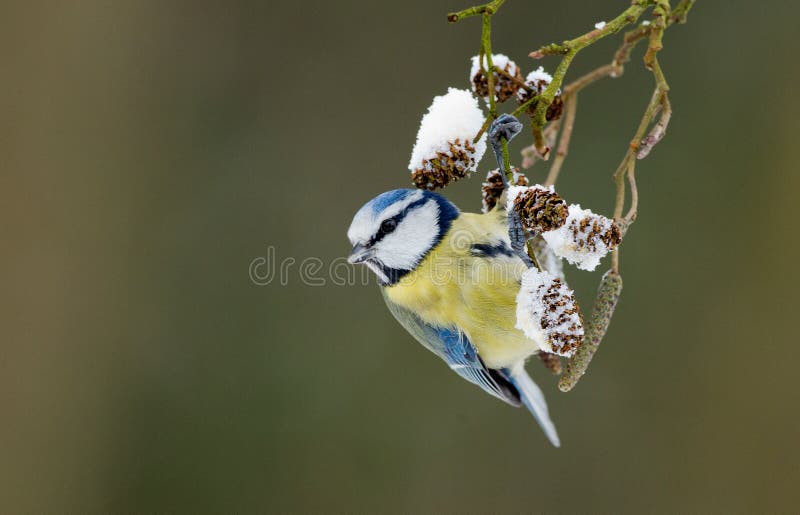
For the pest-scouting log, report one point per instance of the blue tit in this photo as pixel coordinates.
(451, 280)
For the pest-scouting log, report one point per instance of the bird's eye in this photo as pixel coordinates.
(388, 226)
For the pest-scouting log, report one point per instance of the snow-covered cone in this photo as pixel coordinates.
(547, 312)
(444, 150)
(540, 208)
(537, 81)
(493, 187)
(504, 87)
(585, 239)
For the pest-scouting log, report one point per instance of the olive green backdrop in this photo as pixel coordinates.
(150, 151)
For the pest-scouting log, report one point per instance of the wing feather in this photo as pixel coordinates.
(452, 346)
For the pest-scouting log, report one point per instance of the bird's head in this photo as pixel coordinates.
(393, 232)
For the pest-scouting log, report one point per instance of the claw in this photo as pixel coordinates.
(505, 127)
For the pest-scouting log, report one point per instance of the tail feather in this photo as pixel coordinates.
(533, 398)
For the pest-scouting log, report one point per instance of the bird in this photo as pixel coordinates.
(451, 278)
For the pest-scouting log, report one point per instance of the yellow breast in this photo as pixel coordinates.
(457, 285)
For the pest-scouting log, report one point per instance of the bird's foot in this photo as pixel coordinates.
(516, 233)
(505, 127)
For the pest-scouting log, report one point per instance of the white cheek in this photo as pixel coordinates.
(413, 238)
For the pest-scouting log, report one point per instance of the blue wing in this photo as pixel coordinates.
(457, 351)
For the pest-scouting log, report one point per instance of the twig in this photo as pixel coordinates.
(678, 15)
(629, 41)
(570, 108)
(539, 142)
(483, 128)
(529, 153)
(658, 101)
(486, 51)
(568, 50)
(570, 97)
(606, 301)
(658, 131)
(607, 70)
(660, 14)
(521, 84)
(506, 162)
(634, 207)
(488, 8)
(615, 69)
(532, 253)
(570, 91)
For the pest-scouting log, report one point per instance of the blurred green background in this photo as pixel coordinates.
(150, 151)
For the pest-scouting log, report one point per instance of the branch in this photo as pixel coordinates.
(633, 210)
(570, 108)
(639, 145)
(529, 153)
(568, 50)
(520, 84)
(607, 70)
(486, 50)
(604, 305)
(488, 8)
(615, 69)
(658, 131)
(506, 162)
(629, 41)
(678, 15)
(660, 14)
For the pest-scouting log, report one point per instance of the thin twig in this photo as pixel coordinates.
(604, 305)
(634, 207)
(570, 48)
(659, 129)
(519, 83)
(488, 8)
(539, 142)
(627, 166)
(486, 50)
(529, 153)
(570, 108)
(483, 128)
(660, 15)
(615, 69)
(678, 15)
(532, 252)
(607, 70)
(506, 164)
(629, 41)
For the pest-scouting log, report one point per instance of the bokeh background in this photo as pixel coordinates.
(150, 151)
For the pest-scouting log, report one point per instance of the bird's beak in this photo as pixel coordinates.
(359, 254)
